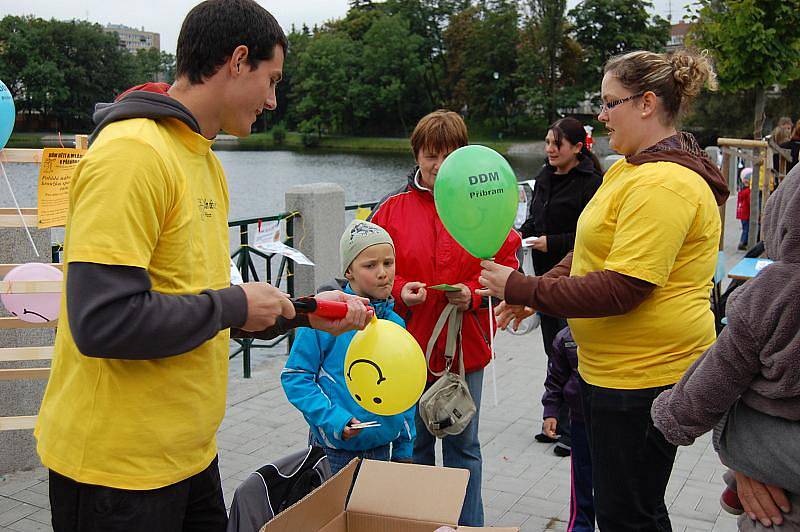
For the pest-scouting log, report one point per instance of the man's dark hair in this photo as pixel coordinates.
(213, 29)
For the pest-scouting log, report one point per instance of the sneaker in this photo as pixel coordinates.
(544, 438)
(562, 450)
(729, 500)
(742, 247)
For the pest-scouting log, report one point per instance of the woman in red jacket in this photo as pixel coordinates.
(427, 255)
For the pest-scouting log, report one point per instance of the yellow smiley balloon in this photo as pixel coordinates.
(385, 368)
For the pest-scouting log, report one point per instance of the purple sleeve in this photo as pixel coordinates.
(558, 373)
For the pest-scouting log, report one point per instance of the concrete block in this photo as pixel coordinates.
(317, 232)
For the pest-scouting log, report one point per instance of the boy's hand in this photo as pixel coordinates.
(461, 299)
(413, 293)
(348, 432)
(549, 427)
(357, 314)
(264, 304)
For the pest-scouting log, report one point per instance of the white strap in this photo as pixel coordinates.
(454, 318)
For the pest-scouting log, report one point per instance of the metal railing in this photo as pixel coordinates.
(357, 206)
(244, 259)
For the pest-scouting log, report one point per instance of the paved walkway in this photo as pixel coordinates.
(524, 483)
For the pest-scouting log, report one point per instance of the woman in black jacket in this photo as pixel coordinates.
(566, 183)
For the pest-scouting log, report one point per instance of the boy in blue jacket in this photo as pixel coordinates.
(313, 377)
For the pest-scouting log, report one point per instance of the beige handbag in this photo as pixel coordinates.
(447, 406)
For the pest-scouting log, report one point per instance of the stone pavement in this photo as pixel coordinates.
(524, 483)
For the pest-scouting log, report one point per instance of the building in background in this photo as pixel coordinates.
(677, 34)
(134, 40)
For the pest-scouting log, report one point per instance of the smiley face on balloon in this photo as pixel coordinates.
(385, 369)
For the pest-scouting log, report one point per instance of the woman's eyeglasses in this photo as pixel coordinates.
(607, 106)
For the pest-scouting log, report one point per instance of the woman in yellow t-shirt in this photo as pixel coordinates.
(636, 288)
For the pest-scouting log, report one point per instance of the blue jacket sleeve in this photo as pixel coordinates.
(299, 380)
(403, 446)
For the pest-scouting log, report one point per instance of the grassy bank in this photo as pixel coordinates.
(293, 141)
(25, 140)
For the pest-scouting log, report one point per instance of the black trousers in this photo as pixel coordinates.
(550, 328)
(192, 505)
(631, 460)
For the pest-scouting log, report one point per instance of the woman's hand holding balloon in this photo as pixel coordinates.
(413, 293)
(506, 314)
(494, 277)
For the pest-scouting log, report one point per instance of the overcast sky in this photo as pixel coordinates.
(165, 16)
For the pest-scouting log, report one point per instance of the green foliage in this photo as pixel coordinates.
(605, 28)
(509, 67)
(482, 43)
(60, 69)
(310, 134)
(279, 134)
(755, 44)
(549, 59)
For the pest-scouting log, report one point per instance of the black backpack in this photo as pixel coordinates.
(275, 487)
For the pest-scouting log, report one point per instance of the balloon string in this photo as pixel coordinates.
(21, 217)
(494, 356)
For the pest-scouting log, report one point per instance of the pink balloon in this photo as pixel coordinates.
(33, 308)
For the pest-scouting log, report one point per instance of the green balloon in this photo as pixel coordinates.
(476, 198)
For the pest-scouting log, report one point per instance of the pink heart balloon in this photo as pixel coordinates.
(33, 308)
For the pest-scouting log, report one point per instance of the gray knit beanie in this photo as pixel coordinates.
(358, 236)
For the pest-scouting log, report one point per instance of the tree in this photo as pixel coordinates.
(482, 44)
(548, 59)
(61, 69)
(605, 28)
(755, 45)
(430, 19)
(391, 72)
(323, 82)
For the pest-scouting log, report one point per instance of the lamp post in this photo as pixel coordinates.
(497, 102)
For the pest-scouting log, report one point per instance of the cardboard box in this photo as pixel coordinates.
(383, 497)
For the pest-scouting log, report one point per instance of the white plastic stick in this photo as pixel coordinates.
(491, 344)
(21, 217)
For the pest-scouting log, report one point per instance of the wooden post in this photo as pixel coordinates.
(755, 201)
(726, 169)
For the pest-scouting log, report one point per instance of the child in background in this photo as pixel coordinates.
(313, 378)
(747, 385)
(562, 385)
(743, 207)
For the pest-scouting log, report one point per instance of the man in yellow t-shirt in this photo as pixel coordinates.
(137, 390)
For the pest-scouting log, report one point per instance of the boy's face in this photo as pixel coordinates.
(371, 273)
(250, 92)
